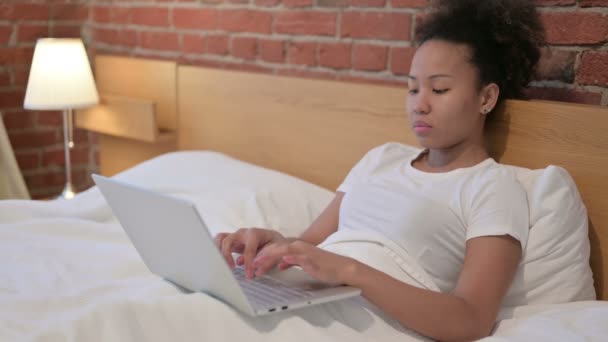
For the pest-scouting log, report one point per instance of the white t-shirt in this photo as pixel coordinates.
(432, 215)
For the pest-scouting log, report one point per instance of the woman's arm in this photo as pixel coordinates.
(468, 313)
(262, 249)
(324, 225)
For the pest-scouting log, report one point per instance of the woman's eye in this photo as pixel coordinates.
(413, 91)
(440, 91)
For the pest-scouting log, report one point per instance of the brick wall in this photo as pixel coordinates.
(37, 136)
(359, 40)
(354, 40)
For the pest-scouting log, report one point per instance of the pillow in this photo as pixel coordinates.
(232, 194)
(555, 265)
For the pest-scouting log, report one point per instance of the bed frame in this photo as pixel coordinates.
(317, 130)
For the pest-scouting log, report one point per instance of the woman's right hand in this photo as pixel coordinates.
(260, 249)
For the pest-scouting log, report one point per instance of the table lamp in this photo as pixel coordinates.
(61, 79)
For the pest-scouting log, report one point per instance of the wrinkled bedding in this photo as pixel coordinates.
(69, 273)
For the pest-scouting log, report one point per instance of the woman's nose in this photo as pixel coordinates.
(421, 103)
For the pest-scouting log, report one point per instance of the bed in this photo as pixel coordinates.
(258, 150)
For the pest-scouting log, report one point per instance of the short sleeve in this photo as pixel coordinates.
(361, 170)
(498, 206)
(377, 160)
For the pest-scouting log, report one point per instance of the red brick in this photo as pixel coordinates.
(193, 43)
(56, 156)
(6, 55)
(245, 21)
(11, 98)
(81, 136)
(189, 18)
(593, 68)
(335, 55)
(217, 44)
(272, 50)
(306, 22)
(556, 65)
(23, 56)
(369, 57)
(6, 11)
(594, 3)
(114, 15)
(28, 160)
(38, 138)
(575, 27)
(5, 34)
(19, 119)
(334, 3)
(267, 3)
(21, 75)
(24, 11)
(70, 12)
(115, 37)
(158, 40)
(66, 31)
(554, 2)
(375, 25)
(564, 95)
(150, 16)
(401, 60)
(369, 3)
(29, 33)
(303, 53)
(50, 118)
(244, 47)
(101, 14)
(44, 180)
(410, 3)
(297, 3)
(5, 79)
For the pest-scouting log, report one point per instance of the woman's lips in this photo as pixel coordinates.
(421, 127)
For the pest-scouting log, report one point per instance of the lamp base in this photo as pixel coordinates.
(68, 192)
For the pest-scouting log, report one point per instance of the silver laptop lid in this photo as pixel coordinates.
(166, 231)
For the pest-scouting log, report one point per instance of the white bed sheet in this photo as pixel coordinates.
(69, 273)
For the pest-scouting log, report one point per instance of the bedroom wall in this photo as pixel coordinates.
(337, 39)
(353, 40)
(37, 136)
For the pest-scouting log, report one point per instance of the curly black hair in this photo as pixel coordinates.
(505, 37)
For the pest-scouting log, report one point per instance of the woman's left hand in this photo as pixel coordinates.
(320, 264)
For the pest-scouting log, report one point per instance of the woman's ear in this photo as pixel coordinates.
(489, 97)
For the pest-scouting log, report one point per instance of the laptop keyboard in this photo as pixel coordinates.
(267, 292)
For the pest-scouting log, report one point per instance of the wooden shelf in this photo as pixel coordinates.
(125, 117)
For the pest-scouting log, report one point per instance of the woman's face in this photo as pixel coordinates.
(444, 102)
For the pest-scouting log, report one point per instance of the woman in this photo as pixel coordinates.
(462, 216)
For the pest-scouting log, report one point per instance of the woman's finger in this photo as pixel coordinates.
(219, 238)
(268, 258)
(227, 249)
(251, 248)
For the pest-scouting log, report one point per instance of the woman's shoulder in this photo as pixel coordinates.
(497, 175)
(385, 156)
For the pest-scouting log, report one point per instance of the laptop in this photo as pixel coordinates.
(174, 243)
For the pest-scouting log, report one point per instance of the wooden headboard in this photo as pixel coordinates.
(317, 130)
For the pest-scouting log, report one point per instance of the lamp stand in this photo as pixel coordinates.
(68, 142)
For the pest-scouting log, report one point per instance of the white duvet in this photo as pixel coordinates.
(69, 273)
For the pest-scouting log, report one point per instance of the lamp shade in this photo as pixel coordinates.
(60, 76)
